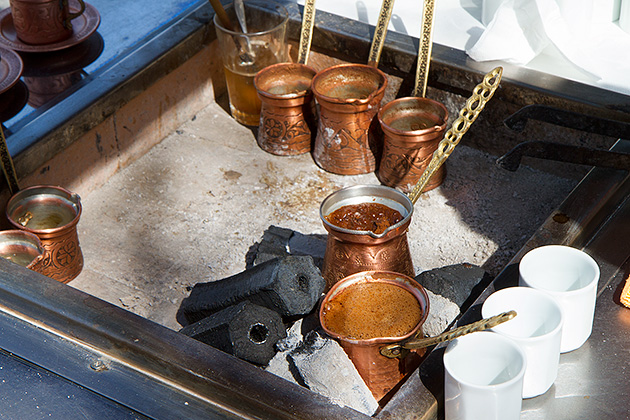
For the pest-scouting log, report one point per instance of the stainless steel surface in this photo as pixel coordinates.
(575, 120)
(150, 369)
(564, 153)
(153, 370)
(592, 381)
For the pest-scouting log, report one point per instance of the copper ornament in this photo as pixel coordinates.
(287, 113)
(51, 213)
(349, 96)
(413, 128)
(380, 373)
(350, 251)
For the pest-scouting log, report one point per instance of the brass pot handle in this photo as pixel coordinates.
(400, 350)
(306, 34)
(482, 93)
(424, 50)
(67, 21)
(380, 32)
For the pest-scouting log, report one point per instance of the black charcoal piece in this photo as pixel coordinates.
(245, 330)
(460, 283)
(290, 286)
(280, 242)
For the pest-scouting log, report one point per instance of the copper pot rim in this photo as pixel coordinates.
(36, 242)
(24, 239)
(413, 133)
(379, 92)
(391, 277)
(279, 67)
(353, 198)
(70, 197)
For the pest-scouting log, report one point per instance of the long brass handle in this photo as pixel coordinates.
(380, 32)
(308, 21)
(474, 105)
(7, 164)
(401, 349)
(424, 50)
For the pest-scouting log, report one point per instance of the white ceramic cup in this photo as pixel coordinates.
(483, 378)
(570, 276)
(537, 329)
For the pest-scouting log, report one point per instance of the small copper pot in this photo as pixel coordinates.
(42, 89)
(51, 213)
(287, 113)
(381, 374)
(413, 128)
(349, 96)
(351, 251)
(41, 22)
(23, 248)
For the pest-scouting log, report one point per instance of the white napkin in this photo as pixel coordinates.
(522, 29)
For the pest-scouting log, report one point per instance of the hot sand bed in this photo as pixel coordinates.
(191, 209)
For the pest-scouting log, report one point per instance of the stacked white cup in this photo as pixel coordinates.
(555, 305)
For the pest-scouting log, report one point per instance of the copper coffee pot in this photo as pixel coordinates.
(22, 248)
(381, 374)
(288, 114)
(349, 96)
(351, 251)
(412, 129)
(383, 362)
(413, 126)
(51, 213)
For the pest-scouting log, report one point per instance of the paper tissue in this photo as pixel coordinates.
(583, 31)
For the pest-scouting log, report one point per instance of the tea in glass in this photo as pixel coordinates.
(244, 54)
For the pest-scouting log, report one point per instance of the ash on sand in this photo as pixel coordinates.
(189, 210)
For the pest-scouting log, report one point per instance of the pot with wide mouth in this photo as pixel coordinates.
(351, 250)
(368, 310)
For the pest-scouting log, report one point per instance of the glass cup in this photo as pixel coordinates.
(244, 54)
(483, 378)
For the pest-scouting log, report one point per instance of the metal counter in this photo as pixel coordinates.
(592, 381)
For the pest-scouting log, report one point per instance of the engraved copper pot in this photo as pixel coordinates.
(42, 89)
(381, 374)
(351, 251)
(287, 114)
(412, 127)
(349, 96)
(41, 22)
(51, 213)
(23, 248)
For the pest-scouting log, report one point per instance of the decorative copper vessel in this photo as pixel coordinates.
(287, 113)
(23, 248)
(413, 127)
(351, 251)
(43, 89)
(381, 374)
(349, 96)
(41, 22)
(51, 213)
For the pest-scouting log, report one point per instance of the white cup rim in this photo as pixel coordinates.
(529, 259)
(501, 293)
(490, 336)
